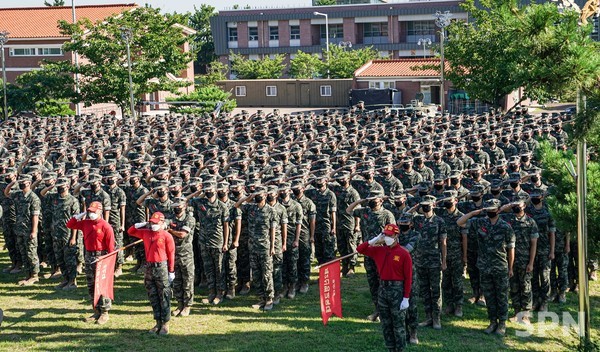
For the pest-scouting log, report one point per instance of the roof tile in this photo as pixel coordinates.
(399, 68)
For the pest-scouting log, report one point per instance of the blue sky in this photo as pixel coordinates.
(169, 6)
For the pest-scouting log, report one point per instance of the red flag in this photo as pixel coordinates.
(105, 276)
(329, 286)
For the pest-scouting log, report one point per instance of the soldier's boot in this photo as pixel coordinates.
(211, 295)
(8, 269)
(72, 285)
(230, 293)
(177, 311)
(156, 327)
(32, 280)
(562, 298)
(449, 309)
(43, 265)
(164, 329)
(304, 287)
(93, 317)
(491, 328)
(373, 316)
(525, 318)
(427, 322)
(16, 269)
(481, 301)
(245, 289)
(553, 295)
(413, 339)
(543, 307)
(80, 268)
(593, 276)
(119, 270)
(436, 322)
(203, 283)
(277, 298)
(260, 304)
(515, 317)
(185, 311)
(56, 274)
(501, 329)
(61, 285)
(292, 291)
(218, 298)
(102, 319)
(268, 305)
(344, 270)
(458, 312)
(350, 273)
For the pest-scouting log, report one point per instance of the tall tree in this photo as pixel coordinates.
(265, 68)
(203, 41)
(55, 3)
(156, 55)
(342, 62)
(305, 65)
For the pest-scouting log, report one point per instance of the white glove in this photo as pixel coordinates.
(171, 278)
(374, 240)
(79, 216)
(139, 225)
(404, 304)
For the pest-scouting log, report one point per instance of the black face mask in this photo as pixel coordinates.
(95, 187)
(178, 211)
(174, 193)
(475, 175)
(517, 210)
(437, 157)
(270, 198)
(194, 189)
(454, 181)
(504, 140)
(406, 166)
(514, 168)
(536, 201)
(535, 179)
(476, 198)
(448, 205)
(343, 183)
(319, 185)
(514, 185)
(160, 193)
(426, 208)
(22, 186)
(423, 193)
(525, 159)
(385, 173)
(399, 204)
(296, 192)
(110, 182)
(7, 179)
(61, 190)
(258, 199)
(495, 192)
(501, 170)
(235, 193)
(221, 194)
(209, 194)
(283, 196)
(492, 214)
(404, 227)
(438, 187)
(373, 204)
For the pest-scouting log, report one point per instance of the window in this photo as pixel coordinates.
(271, 91)
(294, 32)
(50, 51)
(240, 91)
(252, 33)
(382, 84)
(420, 29)
(273, 33)
(22, 52)
(335, 31)
(233, 34)
(325, 91)
(371, 30)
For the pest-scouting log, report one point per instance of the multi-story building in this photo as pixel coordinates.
(392, 29)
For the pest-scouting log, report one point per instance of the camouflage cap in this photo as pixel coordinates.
(477, 189)
(514, 177)
(492, 204)
(428, 200)
(405, 218)
(179, 202)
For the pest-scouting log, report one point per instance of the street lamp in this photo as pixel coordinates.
(424, 42)
(442, 20)
(345, 45)
(127, 35)
(3, 40)
(76, 60)
(326, 35)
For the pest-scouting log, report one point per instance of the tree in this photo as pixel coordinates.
(55, 3)
(324, 2)
(156, 47)
(305, 65)
(206, 98)
(265, 68)
(342, 63)
(217, 71)
(203, 40)
(506, 46)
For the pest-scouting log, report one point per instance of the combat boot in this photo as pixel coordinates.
(414, 340)
(304, 287)
(458, 312)
(268, 305)
(156, 327)
(164, 329)
(9, 268)
(211, 295)
(501, 329)
(374, 317)
(102, 319)
(119, 270)
(56, 274)
(292, 291)
(473, 299)
(525, 319)
(593, 275)
(436, 322)
(277, 298)
(61, 285)
(427, 322)
(543, 307)
(31, 280)
(481, 301)
(562, 298)
(72, 285)
(245, 289)
(230, 293)
(177, 311)
(93, 317)
(259, 305)
(80, 268)
(491, 328)
(553, 295)
(350, 274)
(16, 269)
(185, 311)
(449, 309)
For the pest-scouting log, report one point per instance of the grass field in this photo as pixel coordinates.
(42, 319)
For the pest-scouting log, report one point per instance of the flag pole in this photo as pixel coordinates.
(117, 250)
(336, 260)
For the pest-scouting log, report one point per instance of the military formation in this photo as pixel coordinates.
(251, 200)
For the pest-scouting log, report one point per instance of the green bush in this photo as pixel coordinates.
(205, 99)
(53, 108)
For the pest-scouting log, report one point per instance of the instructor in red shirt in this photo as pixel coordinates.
(160, 268)
(98, 240)
(394, 265)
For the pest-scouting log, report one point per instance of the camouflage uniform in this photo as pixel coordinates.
(8, 226)
(392, 317)
(260, 222)
(65, 254)
(452, 281)
(472, 251)
(280, 219)
(117, 200)
(409, 241)
(26, 207)
(229, 278)
(104, 303)
(290, 256)
(134, 213)
(156, 282)
(46, 248)
(559, 271)
(346, 238)
(540, 284)
(326, 204)
(309, 213)
(183, 285)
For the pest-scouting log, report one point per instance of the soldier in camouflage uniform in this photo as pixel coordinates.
(241, 231)
(526, 235)
(370, 221)
(229, 279)
(8, 224)
(407, 175)
(540, 283)
(307, 235)
(452, 281)
(325, 225)
(45, 247)
(261, 242)
(134, 212)
(27, 212)
(559, 270)
(116, 218)
(280, 222)
(409, 238)
(294, 230)
(430, 260)
(496, 253)
(367, 184)
(214, 236)
(346, 237)
(181, 227)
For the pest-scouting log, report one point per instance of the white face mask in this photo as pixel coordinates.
(389, 240)
(92, 216)
(155, 227)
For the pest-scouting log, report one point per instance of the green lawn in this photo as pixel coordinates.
(42, 319)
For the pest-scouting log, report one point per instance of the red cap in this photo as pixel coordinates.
(157, 217)
(95, 206)
(391, 230)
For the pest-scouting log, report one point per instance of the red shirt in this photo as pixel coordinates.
(98, 235)
(393, 263)
(159, 245)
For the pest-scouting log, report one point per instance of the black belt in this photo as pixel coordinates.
(391, 283)
(96, 253)
(156, 264)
